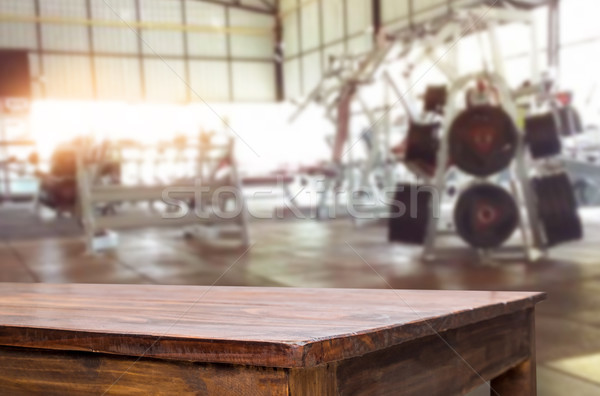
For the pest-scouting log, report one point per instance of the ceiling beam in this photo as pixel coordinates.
(268, 9)
(240, 30)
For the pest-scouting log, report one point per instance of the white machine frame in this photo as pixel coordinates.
(211, 156)
(419, 44)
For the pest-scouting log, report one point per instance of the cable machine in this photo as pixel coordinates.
(496, 149)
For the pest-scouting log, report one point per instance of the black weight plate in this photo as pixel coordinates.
(565, 186)
(486, 216)
(557, 215)
(435, 98)
(571, 227)
(557, 209)
(483, 140)
(553, 218)
(422, 146)
(409, 214)
(542, 135)
(543, 197)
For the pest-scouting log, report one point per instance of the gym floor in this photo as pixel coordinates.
(333, 254)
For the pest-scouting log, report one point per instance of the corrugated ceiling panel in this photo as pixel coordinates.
(161, 41)
(164, 80)
(359, 16)
(67, 37)
(252, 46)
(287, 5)
(114, 40)
(17, 35)
(334, 49)
(333, 14)
(427, 5)
(310, 26)
(392, 10)
(292, 78)
(243, 18)
(253, 81)
(207, 44)
(258, 46)
(118, 78)
(67, 77)
(360, 44)
(311, 68)
(290, 34)
(209, 80)
(426, 10)
(263, 4)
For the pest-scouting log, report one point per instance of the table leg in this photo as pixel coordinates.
(518, 381)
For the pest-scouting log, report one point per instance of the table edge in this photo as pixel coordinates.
(281, 354)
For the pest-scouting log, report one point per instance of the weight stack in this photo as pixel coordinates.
(406, 225)
(542, 135)
(422, 148)
(557, 209)
(435, 98)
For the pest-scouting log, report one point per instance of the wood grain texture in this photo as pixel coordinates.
(26, 371)
(269, 327)
(320, 380)
(518, 381)
(458, 362)
(522, 379)
(429, 365)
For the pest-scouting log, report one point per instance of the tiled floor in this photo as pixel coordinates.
(335, 254)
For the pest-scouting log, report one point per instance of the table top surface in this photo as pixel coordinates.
(271, 327)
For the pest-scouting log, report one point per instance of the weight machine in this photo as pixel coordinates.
(342, 93)
(582, 158)
(18, 158)
(488, 141)
(202, 199)
(438, 144)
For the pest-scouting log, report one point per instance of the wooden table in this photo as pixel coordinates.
(146, 339)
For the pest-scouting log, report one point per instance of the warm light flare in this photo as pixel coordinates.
(265, 140)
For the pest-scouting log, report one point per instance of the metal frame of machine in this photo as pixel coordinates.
(348, 74)
(198, 193)
(15, 112)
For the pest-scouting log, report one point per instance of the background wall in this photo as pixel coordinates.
(313, 29)
(579, 60)
(144, 50)
(138, 50)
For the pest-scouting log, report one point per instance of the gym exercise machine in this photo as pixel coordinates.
(472, 136)
(202, 199)
(581, 156)
(18, 158)
(344, 89)
(511, 161)
(359, 123)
